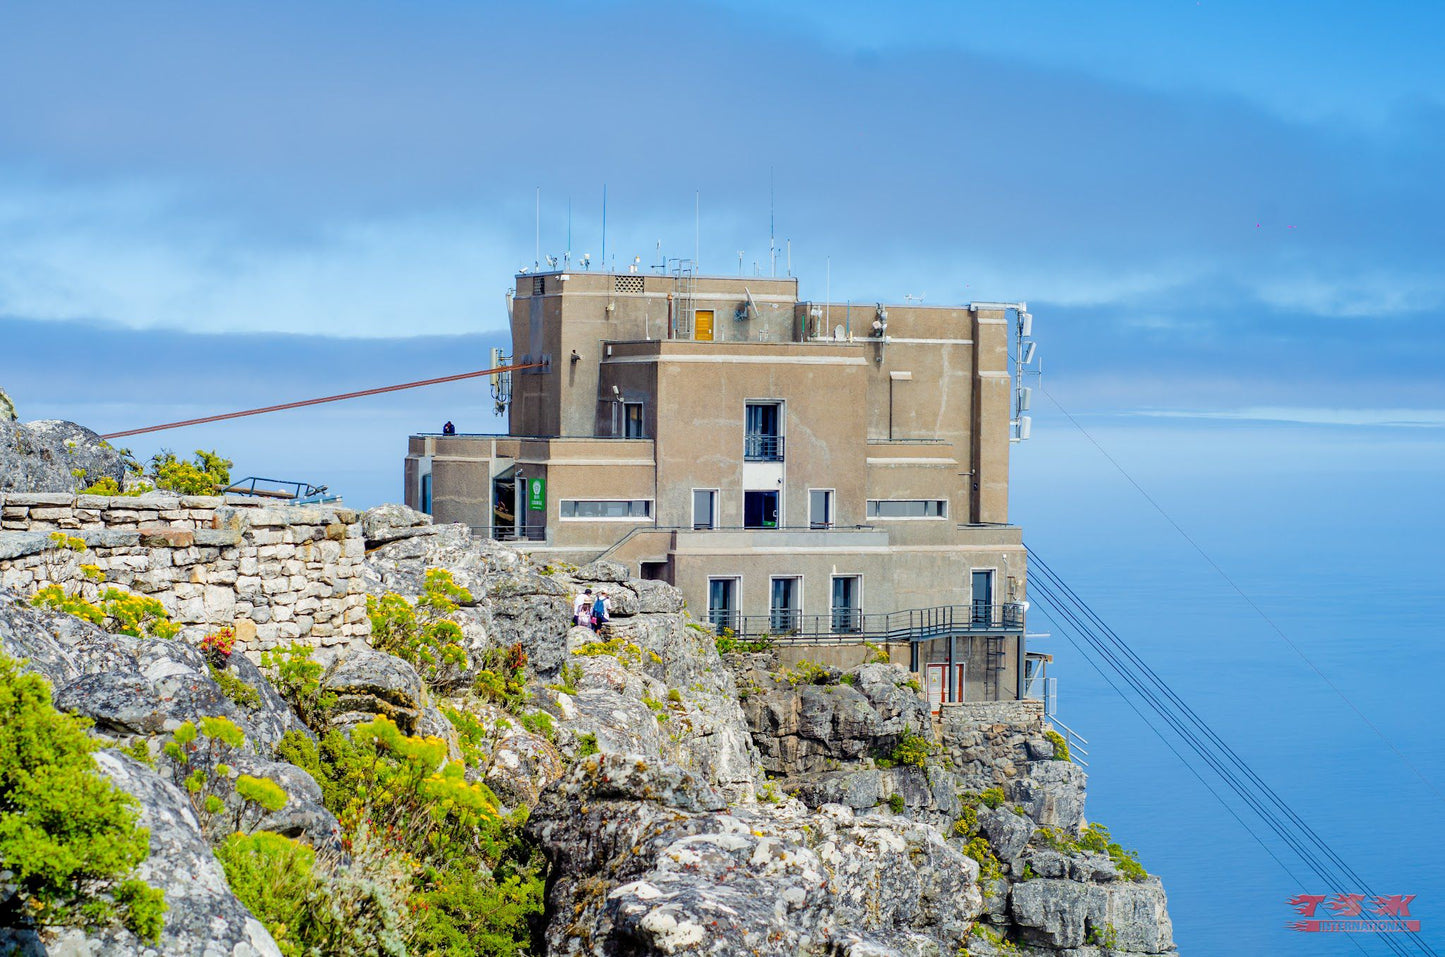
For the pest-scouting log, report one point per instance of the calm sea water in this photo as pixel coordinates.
(1338, 534)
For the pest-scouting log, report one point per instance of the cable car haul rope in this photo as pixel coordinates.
(329, 398)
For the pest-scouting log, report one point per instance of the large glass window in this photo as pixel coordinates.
(704, 508)
(907, 508)
(785, 610)
(638, 508)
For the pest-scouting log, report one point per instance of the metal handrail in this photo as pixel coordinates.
(912, 625)
(762, 447)
(510, 533)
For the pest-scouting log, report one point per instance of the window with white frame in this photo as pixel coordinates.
(704, 508)
(907, 508)
(820, 508)
(637, 509)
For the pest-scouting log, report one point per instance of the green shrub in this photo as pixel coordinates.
(627, 652)
(502, 677)
(586, 744)
(980, 850)
(806, 673)
(207, 475)
(423, 633)
(992, 798)
(877, 654)
(895, 803)
(539, 722)
(242, 694)
(729, 644)
(118, 612)
(913, 750)
(967, 823)
(198, 765)
(1096, 839)
(68, 836)
(308, 910)
(296, 676)
(1061, 747)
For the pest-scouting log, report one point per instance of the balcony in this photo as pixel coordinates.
(762, 447)
(852, 625)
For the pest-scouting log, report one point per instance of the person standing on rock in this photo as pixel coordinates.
(601, 611)
(582, 608)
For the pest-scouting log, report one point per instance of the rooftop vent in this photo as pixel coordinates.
(627, 283)
(539, 285)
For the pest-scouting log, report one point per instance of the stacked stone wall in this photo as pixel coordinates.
(277, 573)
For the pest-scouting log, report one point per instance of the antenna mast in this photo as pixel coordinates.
(772, 244)
(537, 262)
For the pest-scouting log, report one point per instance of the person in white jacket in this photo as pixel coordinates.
(582, 609)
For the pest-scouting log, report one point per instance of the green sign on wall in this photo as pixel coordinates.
(537, 494)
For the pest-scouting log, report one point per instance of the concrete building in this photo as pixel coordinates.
(823, 473)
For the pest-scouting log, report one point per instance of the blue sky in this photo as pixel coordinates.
(1214, 208)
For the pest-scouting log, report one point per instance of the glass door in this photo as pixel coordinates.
(785, 608)
(983, 596)
(847, 610)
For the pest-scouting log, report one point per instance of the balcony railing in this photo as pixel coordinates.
(847, 624)
(510, 533)
(760, 447)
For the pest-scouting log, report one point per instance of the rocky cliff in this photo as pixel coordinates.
(684, 802)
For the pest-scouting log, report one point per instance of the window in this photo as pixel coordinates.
(847, 604)
(762, 432)
(785, 609)
(722, 603)
(820, 508)
(907, 508)
(704, 508)
(426, 493)
(760, 509)
(637, 509)
(632, 420)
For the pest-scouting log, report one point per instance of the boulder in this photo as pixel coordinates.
(45, 456)
(202, 916)
(369, 684)
(133, 686)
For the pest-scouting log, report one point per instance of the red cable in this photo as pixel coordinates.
(329, 398)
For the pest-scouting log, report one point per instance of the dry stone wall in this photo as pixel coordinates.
(277, 573)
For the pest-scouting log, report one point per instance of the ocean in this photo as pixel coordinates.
(1337, 533)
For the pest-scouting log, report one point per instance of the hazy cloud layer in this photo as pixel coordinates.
(1192, 240)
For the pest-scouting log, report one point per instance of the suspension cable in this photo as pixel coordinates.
(1065, 607)
(330, 398)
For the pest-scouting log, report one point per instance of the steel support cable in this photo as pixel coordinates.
(1194, 718)
(1321, 867)
(1064, 629)
(1247, 600)
(330, 398)
(1061, 608)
